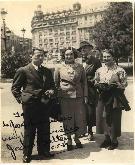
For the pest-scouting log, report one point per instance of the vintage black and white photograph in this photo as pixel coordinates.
(67, 81)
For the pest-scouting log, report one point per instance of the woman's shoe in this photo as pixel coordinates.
(79, 145)
(113, 146)
(105, 144)
(69, 147)
(90, 137)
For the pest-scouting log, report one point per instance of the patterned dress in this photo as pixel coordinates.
(72, 90)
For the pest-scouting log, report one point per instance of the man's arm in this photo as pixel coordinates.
(51, 88)
(18, 83)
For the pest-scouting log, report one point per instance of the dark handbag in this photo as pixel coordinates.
(28, 97)
(55, 109)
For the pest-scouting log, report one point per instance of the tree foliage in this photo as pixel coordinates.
(115, 30)
(10, 61)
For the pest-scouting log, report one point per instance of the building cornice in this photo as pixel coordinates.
(40, 17)
(47, 26)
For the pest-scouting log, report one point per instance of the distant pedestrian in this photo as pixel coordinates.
(92, 64)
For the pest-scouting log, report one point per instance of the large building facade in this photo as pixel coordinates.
(57, 30)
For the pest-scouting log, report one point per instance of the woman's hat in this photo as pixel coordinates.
(85, 43)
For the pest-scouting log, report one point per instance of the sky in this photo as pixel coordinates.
(20, 12)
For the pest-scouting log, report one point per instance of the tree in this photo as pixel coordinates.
(115, 30)
(10, 62)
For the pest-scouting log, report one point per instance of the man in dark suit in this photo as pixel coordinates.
(92, 64)
(33, 85)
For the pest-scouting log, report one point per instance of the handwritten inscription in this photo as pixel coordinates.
(58, 138)
(12, 124)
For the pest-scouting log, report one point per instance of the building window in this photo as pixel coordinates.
(40, 45)
(68, 33)
(67, 28)
(74, 38)
(44, 24)
(50, 31)
(73, 43)
(85, 18)
(60, 21)
(74, 32)
(61, 38)
(45, 32)
(45, 45)
(81, 30)
(40, 41)
(45, 41)
(56, 39)
(66, 20)
(33, 38)
(50, 40)
(55, 34)
(39, 25)
(68, 38)
(52, 22)
(62, 33)
(72, 19)
(73, 27)
(62, 43)
(55, 22)
(40, 35)
(56, 30)
(61, 28)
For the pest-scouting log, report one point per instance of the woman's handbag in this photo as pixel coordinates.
(55, 109)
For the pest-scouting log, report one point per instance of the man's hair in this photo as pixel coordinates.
(34, 49)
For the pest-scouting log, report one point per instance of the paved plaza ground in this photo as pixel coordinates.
(91, 153)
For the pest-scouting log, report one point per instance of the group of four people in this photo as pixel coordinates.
(90, 95)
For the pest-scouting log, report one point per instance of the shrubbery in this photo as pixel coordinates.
(10, 62)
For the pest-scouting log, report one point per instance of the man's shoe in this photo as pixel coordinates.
(113, 146)
(49, 155)
(26, 159)
(79, 145)
(46, 155)
(105, 144)
(69, 147)
(90, 137)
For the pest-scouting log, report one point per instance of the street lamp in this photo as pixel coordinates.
(5, 34)
(23, 32)
(56, 43)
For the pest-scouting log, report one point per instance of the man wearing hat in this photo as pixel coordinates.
(33, 85)
(92, 64)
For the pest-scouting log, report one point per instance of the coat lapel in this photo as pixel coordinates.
(35, 75)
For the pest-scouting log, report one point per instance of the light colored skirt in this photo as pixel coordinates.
(74, 115)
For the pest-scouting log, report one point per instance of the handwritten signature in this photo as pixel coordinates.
(61, 139)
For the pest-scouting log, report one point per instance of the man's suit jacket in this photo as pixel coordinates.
(28, 86)
(92, 65)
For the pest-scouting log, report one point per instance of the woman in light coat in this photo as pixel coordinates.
(72, 83)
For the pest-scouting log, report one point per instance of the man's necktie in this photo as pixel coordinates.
(40, 72)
